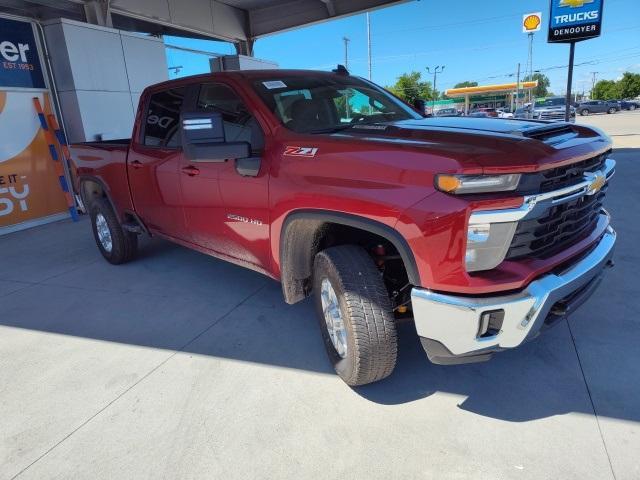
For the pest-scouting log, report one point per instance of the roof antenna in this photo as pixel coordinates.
(341, 70)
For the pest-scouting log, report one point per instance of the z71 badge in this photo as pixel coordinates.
(301, 151)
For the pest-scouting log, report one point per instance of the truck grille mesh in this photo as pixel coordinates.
(558, 228)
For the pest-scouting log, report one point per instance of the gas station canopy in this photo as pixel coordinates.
(237, 21)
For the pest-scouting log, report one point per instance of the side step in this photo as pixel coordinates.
(133, 228)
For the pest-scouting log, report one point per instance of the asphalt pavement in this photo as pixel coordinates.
(178, 365)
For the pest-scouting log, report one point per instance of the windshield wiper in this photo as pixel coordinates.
(337, 128)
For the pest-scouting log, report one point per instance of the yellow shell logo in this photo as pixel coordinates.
(531, 22)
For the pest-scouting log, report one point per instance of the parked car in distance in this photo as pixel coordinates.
(629, 104)
(482, 232)
(447, 112)
(484, 113)
(504, 113)
(597, 106)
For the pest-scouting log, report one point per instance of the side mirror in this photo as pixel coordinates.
(419, 105)
(203, 139)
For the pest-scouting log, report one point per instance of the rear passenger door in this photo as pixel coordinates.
(225, 211)
(153, 161)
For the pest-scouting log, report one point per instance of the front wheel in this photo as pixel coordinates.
(611, 110)
(584, 111)
(355, 315)
(115, 244)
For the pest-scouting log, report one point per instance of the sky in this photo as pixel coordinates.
(475, 40)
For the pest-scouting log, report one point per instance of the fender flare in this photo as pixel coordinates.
(297, 265)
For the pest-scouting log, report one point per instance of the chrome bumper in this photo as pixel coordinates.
(449, 325)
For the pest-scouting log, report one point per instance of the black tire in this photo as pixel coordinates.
(364, 303)
(632, 107)
(611, 110)
(584, 111)
(124, 244)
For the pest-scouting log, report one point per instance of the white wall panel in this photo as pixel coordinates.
(145, 59)
(107, 114)
(96, 59)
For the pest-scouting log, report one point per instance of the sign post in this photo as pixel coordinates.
(572, 21)
(531, 23)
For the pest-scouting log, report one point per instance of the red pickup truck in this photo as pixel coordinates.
(484, 231)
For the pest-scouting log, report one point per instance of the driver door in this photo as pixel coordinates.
(226, 207)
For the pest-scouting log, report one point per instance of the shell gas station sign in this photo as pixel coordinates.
(531, 22)
(30, 192)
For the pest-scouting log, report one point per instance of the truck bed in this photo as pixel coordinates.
(104, 162)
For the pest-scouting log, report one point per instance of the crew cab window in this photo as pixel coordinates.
(239, 124)
(162, 120)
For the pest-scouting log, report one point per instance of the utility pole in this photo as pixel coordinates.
(435, 77)
(517, 86)
(593, 83)
(369, 43)
(346, 52)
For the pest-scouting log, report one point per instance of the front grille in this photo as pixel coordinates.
(558, 228)
(559, 177)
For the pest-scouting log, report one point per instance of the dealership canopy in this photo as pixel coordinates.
(237, 21)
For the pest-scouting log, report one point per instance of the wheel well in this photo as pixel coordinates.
(303, 238)
(91, 189)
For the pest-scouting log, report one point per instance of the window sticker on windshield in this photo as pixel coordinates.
(271, 84)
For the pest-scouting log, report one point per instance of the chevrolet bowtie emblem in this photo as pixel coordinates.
(596, 182)
(574, 3)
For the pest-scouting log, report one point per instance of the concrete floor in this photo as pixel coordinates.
(181, 366)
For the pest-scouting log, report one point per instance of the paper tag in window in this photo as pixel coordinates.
(274, 84)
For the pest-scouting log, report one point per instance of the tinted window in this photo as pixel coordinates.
(163, 118)
(239, 124)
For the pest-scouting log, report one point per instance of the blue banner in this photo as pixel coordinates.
(19, 59)
(574, 20)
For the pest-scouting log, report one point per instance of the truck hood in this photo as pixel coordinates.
(485, 144)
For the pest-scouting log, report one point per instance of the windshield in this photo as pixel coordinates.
(329, 103)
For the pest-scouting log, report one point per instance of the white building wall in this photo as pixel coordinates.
(99, 73)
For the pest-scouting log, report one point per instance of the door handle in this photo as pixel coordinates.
(136, 164)
(191, 171)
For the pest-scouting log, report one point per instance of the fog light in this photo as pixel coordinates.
(490, 323)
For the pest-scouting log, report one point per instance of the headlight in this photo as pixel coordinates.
(460, 184)
(487, 244)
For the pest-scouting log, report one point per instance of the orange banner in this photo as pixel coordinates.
(29, 186)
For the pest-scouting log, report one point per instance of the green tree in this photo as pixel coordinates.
(542, 90)
(465, 84)
(629, 85)
(410, 86)
(606, 90)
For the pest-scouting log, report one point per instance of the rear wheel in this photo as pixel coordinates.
(355, 315)
(584, 111)
(611, 110)
(115, 244)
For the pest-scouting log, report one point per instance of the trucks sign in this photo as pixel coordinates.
(574, 20)
(19, 60)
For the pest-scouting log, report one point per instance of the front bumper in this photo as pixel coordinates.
(449, 325)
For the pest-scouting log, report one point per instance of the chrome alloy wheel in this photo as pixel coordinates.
(333, 318)
(104, 234)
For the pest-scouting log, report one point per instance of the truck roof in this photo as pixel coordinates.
(247, 75)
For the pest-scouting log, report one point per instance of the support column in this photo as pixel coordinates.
(98, 13)
(245, 47)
